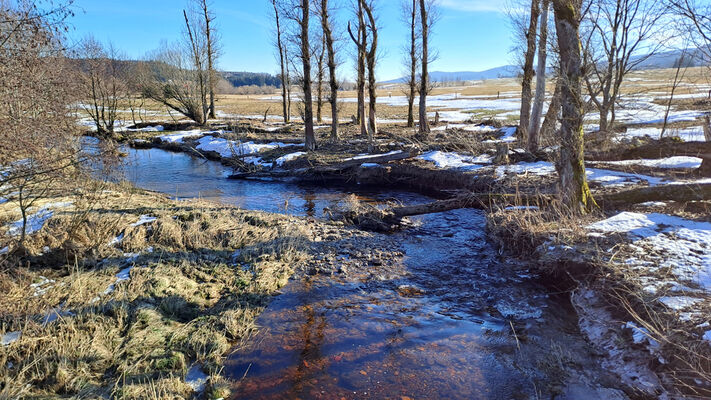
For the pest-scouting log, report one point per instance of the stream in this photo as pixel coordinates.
(453, 319)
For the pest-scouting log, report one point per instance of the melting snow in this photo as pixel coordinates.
(178, 137)
(367, 156)
(36, 221)
(684, 246)
(196, 378)
(669, 162)
(455, 160)
(289, 157)
(144, 219)
(10, 338)
(229, 148)
(678, 303)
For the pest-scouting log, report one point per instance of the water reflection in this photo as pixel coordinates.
(185, 177)
(332, 338)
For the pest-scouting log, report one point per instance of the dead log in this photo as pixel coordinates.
(325, 169)
(680, 193)
(654, 151)
(358, 161)
(372, 218)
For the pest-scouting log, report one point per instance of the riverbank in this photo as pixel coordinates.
(652, 315)
(127, 294)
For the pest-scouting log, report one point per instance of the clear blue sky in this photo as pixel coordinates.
(472, 35)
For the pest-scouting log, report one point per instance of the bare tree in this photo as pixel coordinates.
(173, 81)
(301, 15)
(38, 146)
(427, 20)
(574, 189)
(283, 64)
(211, 48)
(361, 41)
(617, 31)
(411, 61)
(103, 82)
(371, 58)
(320, 76)
(526, 94)
(326, 27)
(539, 98)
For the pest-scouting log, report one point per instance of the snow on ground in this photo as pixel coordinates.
(229, 148)
(36, 221)
(157, 128)
(178, 137)
(693, 134)
(669, 162)
(672, 254)
(367, 156)
(10, 338)
(455, 160)
(289, 157)
(508, 137)
(144, 219)
(196, 378)
(466, 127)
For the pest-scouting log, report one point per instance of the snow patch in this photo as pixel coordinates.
(455, 160)
(289, 157)
(196, 378)
(10, 338)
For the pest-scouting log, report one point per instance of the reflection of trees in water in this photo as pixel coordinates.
(310, 202)
(311, 358)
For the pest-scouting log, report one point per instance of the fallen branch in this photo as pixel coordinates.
(681, 193)
(654, 151)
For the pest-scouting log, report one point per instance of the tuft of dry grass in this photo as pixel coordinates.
(199, 276)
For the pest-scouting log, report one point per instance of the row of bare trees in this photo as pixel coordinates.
(321, 43)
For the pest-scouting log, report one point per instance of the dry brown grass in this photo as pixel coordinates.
(191, 299)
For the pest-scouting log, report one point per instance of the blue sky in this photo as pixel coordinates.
(472, 35)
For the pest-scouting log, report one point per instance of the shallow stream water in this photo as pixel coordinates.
(452, 320)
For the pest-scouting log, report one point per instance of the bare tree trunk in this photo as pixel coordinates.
(332, 78)
(371, 57)
(310, 138)
(200, 119)
(361, 43)
(551, 118)
(535, 124)
(284, 76)
(574, 189)
(424, 79)
(707, 128)
(319, 81)
(413, 67)
(526, 94)
(210, 56)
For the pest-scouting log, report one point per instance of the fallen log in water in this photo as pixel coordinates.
(372, 218)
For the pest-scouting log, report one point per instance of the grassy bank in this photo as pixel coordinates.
(122, 292)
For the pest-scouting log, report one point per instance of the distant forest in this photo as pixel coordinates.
(239, 79)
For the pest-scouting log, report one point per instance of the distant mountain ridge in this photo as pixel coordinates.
(507, 71)
(662, 60)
